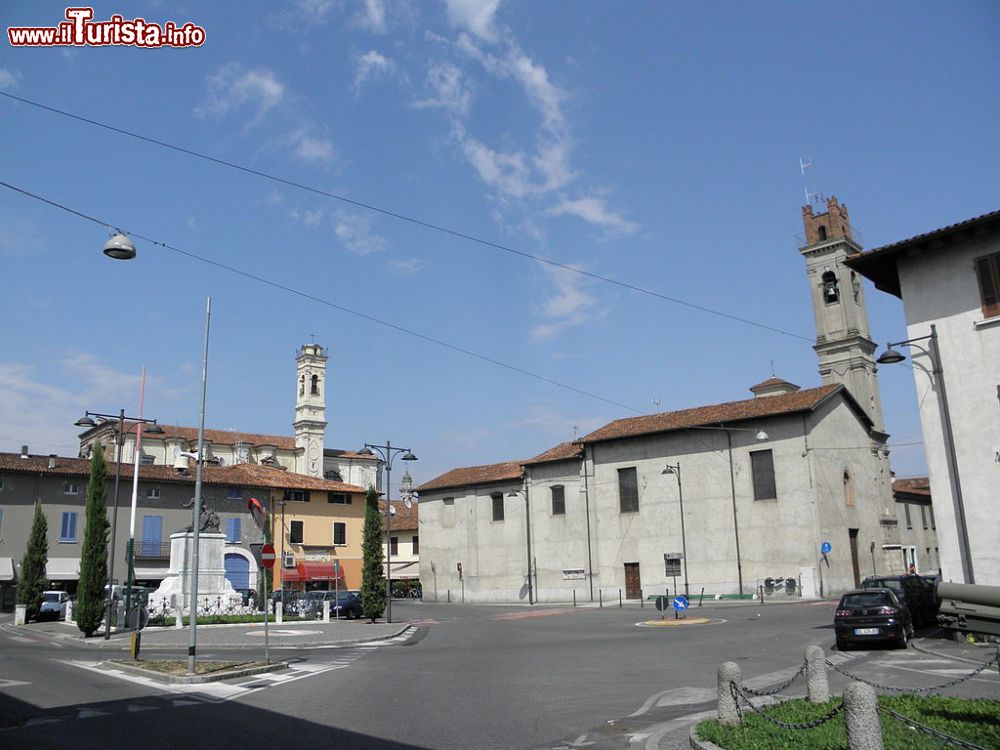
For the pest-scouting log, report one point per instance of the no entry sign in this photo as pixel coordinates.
(267, 555)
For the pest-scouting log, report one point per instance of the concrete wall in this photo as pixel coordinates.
(941, 287)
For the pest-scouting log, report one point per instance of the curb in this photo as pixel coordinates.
(698, 743)
(198, 679)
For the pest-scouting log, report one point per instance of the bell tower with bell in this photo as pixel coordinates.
(310, 409)
(843, 343)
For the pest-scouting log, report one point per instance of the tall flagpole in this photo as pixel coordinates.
(196, 526)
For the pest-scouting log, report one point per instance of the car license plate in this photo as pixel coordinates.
(865, 631)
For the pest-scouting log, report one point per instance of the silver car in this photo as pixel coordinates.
(53, 605)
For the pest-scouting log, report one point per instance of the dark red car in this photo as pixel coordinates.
(872, 615)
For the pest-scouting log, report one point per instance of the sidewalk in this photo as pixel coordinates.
(288, 635)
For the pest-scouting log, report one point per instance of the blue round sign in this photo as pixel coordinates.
(825, 548)
(680, 603)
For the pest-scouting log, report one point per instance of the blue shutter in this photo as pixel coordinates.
(152, 528)
(67, 532)
(232, 530)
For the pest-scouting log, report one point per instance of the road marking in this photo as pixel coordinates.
(532, 613)
(22, 639)
(11, 683)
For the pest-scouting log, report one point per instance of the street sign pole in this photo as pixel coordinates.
(267, 646)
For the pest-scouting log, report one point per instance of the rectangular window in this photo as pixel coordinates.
(909, 522)
(152, 533)
(448, 501)
(338, 498)
(67, 531)
(339, 532)
(628, 490)
(988, 273)
(234, 493)
(930, 511)
(153, 493)
(233, 529)
(295, 532)
(394, 545)
(762, 466)
(497, 507)
(296, 496)
(416, 543)
(558, 501)
(70, 488)
(923, 516)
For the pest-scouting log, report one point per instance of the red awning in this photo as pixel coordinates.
(312, 571)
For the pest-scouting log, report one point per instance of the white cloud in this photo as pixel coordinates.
(595, 211)
(473, 437)
(314, 11)
(309, 148)
(567, 307)
(407, 266)
(371, 65)
(7, 79)
(550, 422)
(355, 233)
(307, 217)
(232, 88)
(373, 16)
(476, 16)
(450, 90)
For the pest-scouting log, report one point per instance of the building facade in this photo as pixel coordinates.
(949, 282)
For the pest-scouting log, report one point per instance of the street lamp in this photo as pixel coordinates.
(527, 533)
(386, 454)
(119, 247)
(87, 421)
(892, 356)
(675, 469)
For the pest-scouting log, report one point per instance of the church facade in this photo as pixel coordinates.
(791, 484)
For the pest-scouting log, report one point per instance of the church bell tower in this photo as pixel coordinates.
(310, 409)
(843, 343)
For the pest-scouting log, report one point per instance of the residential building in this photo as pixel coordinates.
(402, 541)
(916, 528)
(949, 282)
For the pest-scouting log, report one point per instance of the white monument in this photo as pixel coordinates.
(214, 589)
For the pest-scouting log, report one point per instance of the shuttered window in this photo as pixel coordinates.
(67, 531)
(762, 464)
(295, 532)
(628, 490)
(497, 507)
(339, 532)
(988, 272)
(558, 501)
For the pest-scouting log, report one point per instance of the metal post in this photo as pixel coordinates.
(586, 496)
(388, 531)
(527, 533)
(196, 526)
(736, 524)
(684, 550)
(267, 646)
(114, 522)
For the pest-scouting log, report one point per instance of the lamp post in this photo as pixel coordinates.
(527, 533)
(675, 469)
(891, 356)
(386, 454)
(88, 422)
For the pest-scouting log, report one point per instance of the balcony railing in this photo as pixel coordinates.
(152, 550)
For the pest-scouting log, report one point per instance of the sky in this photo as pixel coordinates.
(655, 144)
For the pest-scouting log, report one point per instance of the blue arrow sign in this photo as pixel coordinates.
(680, 603)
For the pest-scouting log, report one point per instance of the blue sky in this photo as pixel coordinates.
(654, 143)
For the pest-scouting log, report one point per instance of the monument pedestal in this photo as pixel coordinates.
(213, 586)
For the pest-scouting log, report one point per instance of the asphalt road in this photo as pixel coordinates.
(466, 677)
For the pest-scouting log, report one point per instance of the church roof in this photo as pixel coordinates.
(771, 382)
(473, 475)
(715, 414)
(190, 434)
(880, 264)
(562, 452)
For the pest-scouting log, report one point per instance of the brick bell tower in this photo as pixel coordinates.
(310, 409)
(844, 346)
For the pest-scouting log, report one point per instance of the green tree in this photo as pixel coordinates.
(90, 598)
(31, 578)
(372, 576)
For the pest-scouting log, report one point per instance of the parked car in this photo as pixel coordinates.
(53, 605)
(872, 615)
(291, 600)
(916, 592)
(342, 604)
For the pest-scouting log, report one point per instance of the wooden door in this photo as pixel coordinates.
(633, 584)
(854, 557)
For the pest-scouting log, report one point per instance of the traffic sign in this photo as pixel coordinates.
(661, 603)
(680, 603)
(825, 548)
(267, 555)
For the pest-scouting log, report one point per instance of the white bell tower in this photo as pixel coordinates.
(310, 409)
(843, 342)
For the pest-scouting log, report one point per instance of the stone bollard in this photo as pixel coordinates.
(864, 730)
(20, 614)
(819, 690)
(178, 618)
(69, 611)
(279, 611)
(326, 610)
(120, 615)
(729, 672)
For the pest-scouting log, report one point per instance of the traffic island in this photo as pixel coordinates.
(666, 623)
(175, 671)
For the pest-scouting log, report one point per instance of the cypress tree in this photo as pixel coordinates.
(32, 578)
(372, 576)
(90, 598)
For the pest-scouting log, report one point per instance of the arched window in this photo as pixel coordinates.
(831, 288)
(822, 232)
(302, 385)
(315, 385)
(848, 489)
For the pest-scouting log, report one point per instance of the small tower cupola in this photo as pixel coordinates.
(834, 224)
(310, 410)
(772, 387)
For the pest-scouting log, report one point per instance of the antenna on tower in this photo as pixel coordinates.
(812, 197)
(656, 403)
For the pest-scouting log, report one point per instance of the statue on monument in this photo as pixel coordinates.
(208, 521)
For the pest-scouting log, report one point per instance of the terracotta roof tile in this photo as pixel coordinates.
(912, 486)
(562, 452)
(239, 475)
(404, 519)
(190, 434)
(473, 475)
(715, 414)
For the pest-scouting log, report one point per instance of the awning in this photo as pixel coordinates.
(6, 568)
(312, 571)
(409, 569)
(63, 568)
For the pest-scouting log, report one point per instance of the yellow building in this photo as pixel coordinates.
(317, 535)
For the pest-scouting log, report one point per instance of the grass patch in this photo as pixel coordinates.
(179, 667)
(976, 721)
